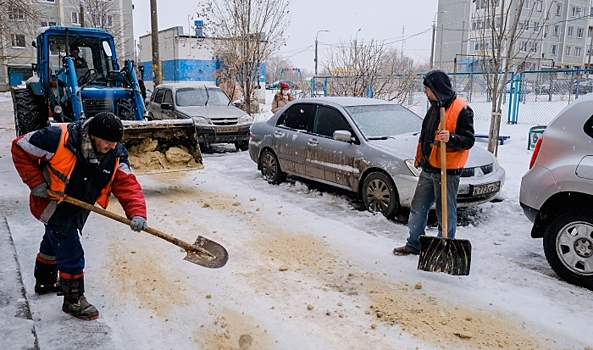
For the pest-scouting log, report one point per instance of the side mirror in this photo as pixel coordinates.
(342, 135)
(238, 103)
(107, 49)
(166, 106)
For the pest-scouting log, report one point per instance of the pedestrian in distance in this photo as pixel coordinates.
(282, 98)
(458, 134)
(85, 160)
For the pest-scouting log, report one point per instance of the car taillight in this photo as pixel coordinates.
(538, 145)
(250, 135)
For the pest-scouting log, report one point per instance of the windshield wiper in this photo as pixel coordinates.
(207, 96)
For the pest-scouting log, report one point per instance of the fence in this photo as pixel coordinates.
(531, 97)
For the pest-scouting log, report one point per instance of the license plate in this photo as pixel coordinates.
(485, 189)
(227, 129)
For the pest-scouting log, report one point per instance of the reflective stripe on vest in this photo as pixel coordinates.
(60, 167)
(456, 159)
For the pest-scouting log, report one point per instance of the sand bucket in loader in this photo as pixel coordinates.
(161, 146)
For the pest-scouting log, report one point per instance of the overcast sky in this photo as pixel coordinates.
(377, 19)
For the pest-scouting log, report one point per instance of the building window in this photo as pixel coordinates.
(18, 40)
(538, 5)
(568, 51)
(580, 32)
(523, 46)
(534, 47)
(47, 1)
(558, 10)
(536, 26)
(578, 51)
(553, 50)
(48, 24)
(570, 30)
(15, 14)
(555, 31)
(577, 11)
(74, 16)
(527, 4)
(105, 21)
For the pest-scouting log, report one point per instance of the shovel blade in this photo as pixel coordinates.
(448, 255)
(217, 258)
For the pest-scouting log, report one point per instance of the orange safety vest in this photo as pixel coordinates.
(60, 167)
(456, 159)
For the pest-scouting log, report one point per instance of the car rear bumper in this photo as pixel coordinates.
(219, 134)
(530, 213)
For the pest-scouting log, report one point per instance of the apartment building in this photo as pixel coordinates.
(17, 53)
(551, 33)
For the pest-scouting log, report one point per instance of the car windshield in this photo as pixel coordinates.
(199, 96)
(376, 121)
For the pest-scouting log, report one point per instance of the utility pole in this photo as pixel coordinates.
(316, 43)
(434, 18)
(154, 27)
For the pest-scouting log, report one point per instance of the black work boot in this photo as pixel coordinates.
(46, 276)
(75, 302)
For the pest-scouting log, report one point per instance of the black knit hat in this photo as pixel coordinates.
(106, 126)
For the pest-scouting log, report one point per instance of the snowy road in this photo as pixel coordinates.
(307, 270)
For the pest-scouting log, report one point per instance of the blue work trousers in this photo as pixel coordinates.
(66, 247)
(428, 190)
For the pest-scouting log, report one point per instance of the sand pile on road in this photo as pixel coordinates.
(145, 157)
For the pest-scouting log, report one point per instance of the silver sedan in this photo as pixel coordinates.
(363, 145)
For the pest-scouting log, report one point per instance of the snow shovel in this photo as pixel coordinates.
(442, 254)
(203, 252)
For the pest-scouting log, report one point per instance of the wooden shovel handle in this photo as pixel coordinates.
(443, 175)
(188, 247)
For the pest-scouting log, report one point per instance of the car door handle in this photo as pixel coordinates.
(278, 134)
(312, 142)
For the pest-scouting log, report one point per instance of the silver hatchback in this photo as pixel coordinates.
(557, 192)
(363, 145)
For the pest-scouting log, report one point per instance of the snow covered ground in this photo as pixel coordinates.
(308, 269)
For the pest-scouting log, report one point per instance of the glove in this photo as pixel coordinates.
(40, 190)
(138, 223)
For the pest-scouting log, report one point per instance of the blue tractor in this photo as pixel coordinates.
(77, 75)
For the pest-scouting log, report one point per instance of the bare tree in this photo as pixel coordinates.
(247, 32)
(17, 17)
(506, 43)
(274, 65)
(104, 15)
(357, 69)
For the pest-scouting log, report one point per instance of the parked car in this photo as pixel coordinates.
(555, 88)
(217, 120)
(556, 193)
(582, 87)
(364, 145)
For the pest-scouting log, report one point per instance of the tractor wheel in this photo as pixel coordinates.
(126, 110)
(30, 111)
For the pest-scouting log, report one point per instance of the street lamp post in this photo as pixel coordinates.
(316, 43)
(434, 18)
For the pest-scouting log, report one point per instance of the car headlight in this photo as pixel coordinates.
(410, 165)
(201, 120)
(245, 119)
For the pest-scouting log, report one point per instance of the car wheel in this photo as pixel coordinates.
(380, 195)
(242, 145)
(270, 168)
(568, 244)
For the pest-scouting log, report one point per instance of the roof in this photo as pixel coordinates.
(346, 101)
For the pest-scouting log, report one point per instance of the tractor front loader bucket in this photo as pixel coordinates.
(161, 146)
